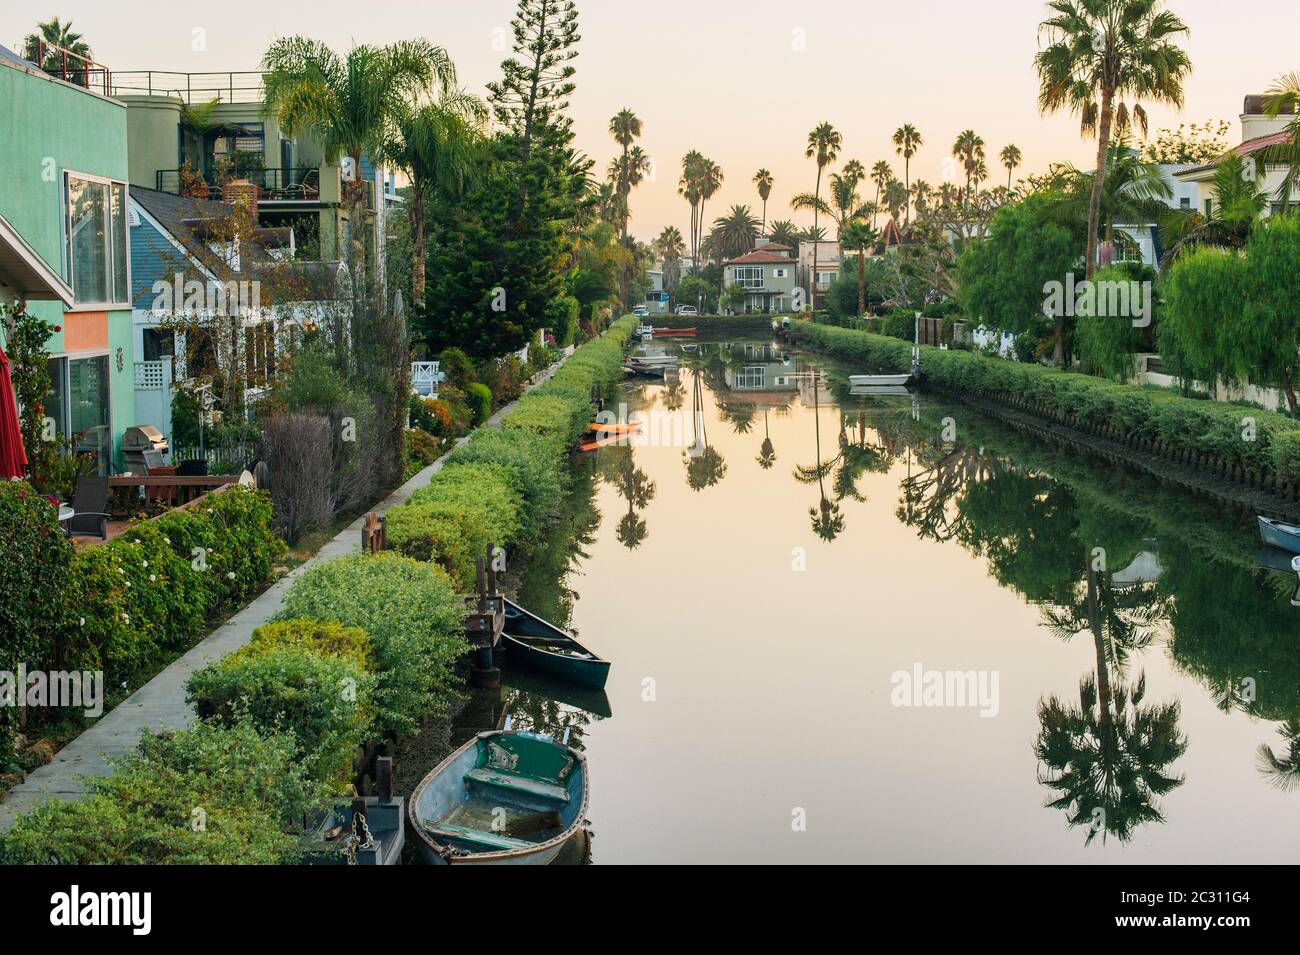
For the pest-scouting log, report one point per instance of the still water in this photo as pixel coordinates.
(772, 573)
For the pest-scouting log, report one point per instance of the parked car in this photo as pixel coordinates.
(687, 310)
(640, 311)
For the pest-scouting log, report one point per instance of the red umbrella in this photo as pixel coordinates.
(13, 459)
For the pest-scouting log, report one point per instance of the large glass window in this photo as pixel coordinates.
(748, 276)
(95, 249)
(88, 408)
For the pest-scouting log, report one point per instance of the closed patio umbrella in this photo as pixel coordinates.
(13, 459)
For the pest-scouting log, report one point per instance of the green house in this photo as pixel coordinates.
(64, 248)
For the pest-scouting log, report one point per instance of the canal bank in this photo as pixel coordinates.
(1246, 455)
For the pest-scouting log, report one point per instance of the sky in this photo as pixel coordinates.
(742, 83)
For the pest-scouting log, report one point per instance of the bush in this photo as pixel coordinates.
(1156, 415)
(351, 644)
(245, 785)
(323, 702)
(479, 397)
(33, 585)
(457, 366)
(422, 446)
(538, 463)
(412, 614)
(429, 414)
(563, 419)
(298, 455)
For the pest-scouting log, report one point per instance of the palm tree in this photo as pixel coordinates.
(734, 234)
(895, 199)
(625, 127)
(671, 247)
(350, 106)
(1237, 203)
(1283, 771)
(710, 182)
(881, 174)
(688, 187)
(437, 145)
(969, 148)
(824, 144)
(922, 192)
(763, 180)
(907, 140)
(1010, 157)
(766, 450)
(1101, 54)
(55, 33)
(859, 236)
(827, 521)
(784, 232)
(1135, 191)
(844, 204)
(1284, 95)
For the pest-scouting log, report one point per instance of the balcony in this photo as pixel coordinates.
(276, 184)
(191, 88)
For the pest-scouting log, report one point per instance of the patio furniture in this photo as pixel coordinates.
(153, 467)
(90, 503)
(66, 513)
(307, 188)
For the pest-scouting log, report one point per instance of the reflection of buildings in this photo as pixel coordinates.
(765, 369)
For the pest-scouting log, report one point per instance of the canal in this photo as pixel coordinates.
(873, 628)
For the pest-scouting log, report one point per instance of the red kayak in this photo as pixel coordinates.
(674, 333)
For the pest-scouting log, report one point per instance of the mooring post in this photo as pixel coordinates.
(384, 778)
(491, 570)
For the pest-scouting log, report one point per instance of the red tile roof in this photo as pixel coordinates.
(761, 257)
(1246, 148)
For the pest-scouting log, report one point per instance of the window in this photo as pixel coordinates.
(94, 250)
(1184, 202)
(1209, 207)
(780, 273)
(158, 343)
(750, 377)
(79, 404)
(747, 276)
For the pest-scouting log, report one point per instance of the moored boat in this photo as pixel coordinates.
(1279, 534)
(538, 644)
(504, 798)
(674, 332)
(878, 381)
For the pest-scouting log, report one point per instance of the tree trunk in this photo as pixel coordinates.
(357, 244)
(907, 183)
(1098, 178)
(1099, 646)
(1288, 386)
(419, 241)
(862, 282)
(812, 279)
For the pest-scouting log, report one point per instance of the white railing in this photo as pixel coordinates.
(425, 378)
(149, 375)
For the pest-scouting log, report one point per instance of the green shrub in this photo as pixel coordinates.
(558, 417)
(457, 366)
(537, 461)
(479, 397)
(421, 446)
(34, 583)
(1154, 414)
(323, 702)
(210, 794)
(412, 614)
(333, 640)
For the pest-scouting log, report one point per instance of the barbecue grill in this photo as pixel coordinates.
(137, 442)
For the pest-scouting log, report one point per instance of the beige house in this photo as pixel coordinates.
(769, 276)
(1258, 132)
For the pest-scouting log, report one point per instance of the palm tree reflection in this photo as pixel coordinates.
(705, 467)
(1283, 771)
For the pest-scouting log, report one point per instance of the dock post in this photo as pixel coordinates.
(384, 778)
(483, 673)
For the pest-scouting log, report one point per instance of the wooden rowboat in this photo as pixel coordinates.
(674, 332)
(530, 641)
(596, 443)
(504, 798)
(1279, 534)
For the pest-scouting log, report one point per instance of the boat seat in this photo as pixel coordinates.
(489, 840)
(520, 784)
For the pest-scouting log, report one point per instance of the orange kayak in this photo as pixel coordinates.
(601, 442)
(614, 428)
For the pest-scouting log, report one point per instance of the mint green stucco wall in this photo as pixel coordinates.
(46, 127)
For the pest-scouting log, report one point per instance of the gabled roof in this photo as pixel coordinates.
(189, 221)
(1243, 149)
(761, 257)
(24, 270)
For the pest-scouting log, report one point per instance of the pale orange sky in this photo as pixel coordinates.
(743, 83)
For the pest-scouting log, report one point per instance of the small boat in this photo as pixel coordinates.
(1279, 534)
(655, 373)
(674, 333)
(879, 381)
(595, 444)
(877, 391)
(653, 361)
(628, 427)
(644, 332)
(530, 641)
(504, 798)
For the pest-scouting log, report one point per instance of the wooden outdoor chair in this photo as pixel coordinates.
(153, 467)
(90, 502)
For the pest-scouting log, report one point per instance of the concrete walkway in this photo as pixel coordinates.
(161, 701)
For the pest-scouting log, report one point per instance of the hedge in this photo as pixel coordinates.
(210, 794)
(1204, 434)
(411, 612)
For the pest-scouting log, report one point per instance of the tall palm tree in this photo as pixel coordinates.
(671, 247)
(881, 174)
(1135, 191)
(784, 232)
(969, 148)
(1010, 157)
(824, 144)
(1102, 54)
(688, 187)
(53, 32)
(858, 236)
(895, 198)
(350, 106)
(906, 142)
(710, 182)
(438, 146)
(844, 205)
(1284, 95)
(625, 127)
(922, 192)
(734, 234)
(763, 180)
(766, 450)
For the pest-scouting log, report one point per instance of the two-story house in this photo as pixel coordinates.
(768, 276)
(63, 243)
(1259, 130)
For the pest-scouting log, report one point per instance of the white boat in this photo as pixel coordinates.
(653, 361)
(879, 381)
(645, 331)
